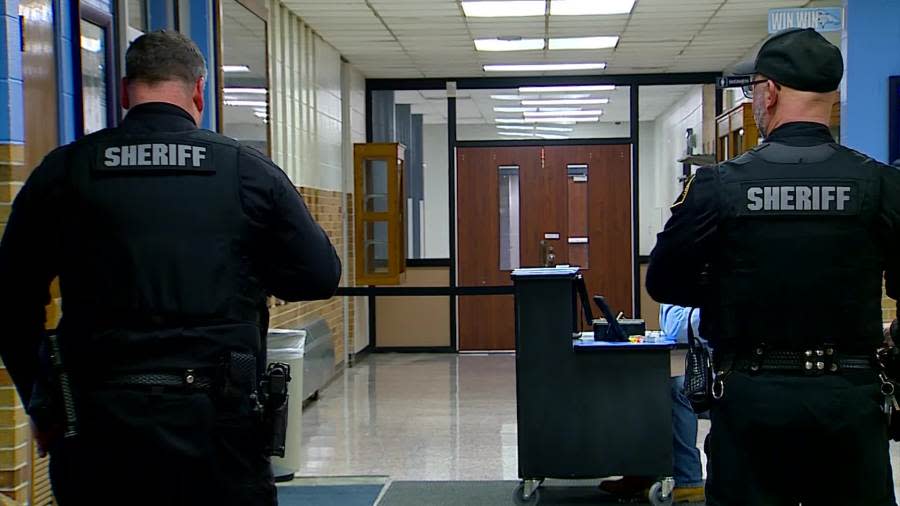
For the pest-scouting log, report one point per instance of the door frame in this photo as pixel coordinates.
(454, 290)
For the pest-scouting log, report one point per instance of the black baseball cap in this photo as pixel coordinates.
(799, 58)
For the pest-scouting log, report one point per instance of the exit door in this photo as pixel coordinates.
(516, 205)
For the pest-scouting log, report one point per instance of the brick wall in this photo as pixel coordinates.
(15, 434)
(888, 307)
(328, 208)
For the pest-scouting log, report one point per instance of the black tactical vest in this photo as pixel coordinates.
(156, 271)
(799, 261)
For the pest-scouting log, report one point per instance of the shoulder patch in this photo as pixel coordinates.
(684, 193)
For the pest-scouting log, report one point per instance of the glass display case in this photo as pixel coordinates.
(380, 226)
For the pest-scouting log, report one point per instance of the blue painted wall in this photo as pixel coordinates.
(12, 116)
(200, 28)
(160, 14)
(872, 52)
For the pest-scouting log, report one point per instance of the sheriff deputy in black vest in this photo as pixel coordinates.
(166, 239)
(784, 249)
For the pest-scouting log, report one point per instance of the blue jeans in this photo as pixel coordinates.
(686, 457)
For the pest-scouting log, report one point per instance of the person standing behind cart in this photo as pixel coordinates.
(784, 249)
(686, 464)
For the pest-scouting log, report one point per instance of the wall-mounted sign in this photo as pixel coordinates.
(822, 19)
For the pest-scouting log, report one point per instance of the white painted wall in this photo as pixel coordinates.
(660, 170)
(437, 211)
(305, 75)
(354, 131)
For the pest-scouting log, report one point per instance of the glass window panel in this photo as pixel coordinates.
(577, 193)
(376, 247)
(509, 217)
(245, 111)
(137, 14)
(674, 122)
(93, 77)
(375, 186)
(544, 114)
(418, 120)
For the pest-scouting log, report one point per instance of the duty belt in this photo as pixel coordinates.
(187, 380)
(814, 361)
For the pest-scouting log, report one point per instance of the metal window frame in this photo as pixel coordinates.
(634, 81)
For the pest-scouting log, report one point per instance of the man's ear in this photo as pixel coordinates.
(772, 91)
(123, 94)
(198, 94)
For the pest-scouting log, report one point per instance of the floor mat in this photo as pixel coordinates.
(487, 493)
(328, 495)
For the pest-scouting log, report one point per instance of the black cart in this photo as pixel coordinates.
(586, 409)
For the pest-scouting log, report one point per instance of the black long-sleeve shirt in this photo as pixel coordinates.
(701, 234)
(295, 258)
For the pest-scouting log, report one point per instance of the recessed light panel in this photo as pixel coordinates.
(496, 9)
(565, 89)
(577, 101)
(544, 67)
(583, 43)
(562, 114)
(590, 7)
(509, 45)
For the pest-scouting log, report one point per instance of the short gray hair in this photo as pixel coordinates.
(164, 55)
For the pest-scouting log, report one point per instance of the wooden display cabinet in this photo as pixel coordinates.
(379, 223)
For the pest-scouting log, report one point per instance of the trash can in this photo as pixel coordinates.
(288, 346)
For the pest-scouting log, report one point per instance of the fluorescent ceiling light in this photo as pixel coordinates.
(584, 43)
(515, 109)
(260, 109)
(247, 91)
(515, 127)
(516, 134)
(507, 97)
(235, 68)
(496, 9)
(555, 121)
(95, 45)
(564, 89)
(558, 109)
(509, 45)
(553, 129)
(551, 136)
(544, 67)
(245, 103)
(590, 7)
(562, 114)
(570, 96)
(576, 101)
(260, 115)
(551, 121)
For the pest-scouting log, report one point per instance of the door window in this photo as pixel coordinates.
(94, 86)
(509, 217)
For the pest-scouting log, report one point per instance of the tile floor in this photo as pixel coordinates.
(423, 417)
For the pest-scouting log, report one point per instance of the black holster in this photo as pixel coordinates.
(52, 401)
(889, 366)
(273, 398)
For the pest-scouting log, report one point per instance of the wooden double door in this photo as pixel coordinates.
(573, 199)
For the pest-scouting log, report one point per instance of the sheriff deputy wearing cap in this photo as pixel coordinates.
(784, 249)
(166, 239)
